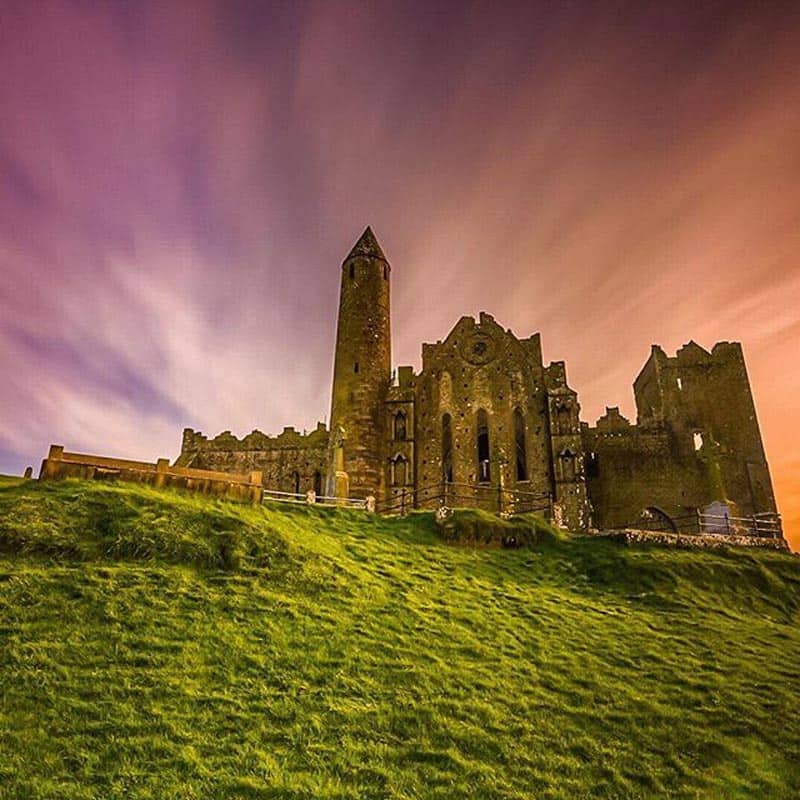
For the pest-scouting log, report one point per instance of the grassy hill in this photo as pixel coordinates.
(160, 645)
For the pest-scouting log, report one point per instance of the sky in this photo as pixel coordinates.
(180, 182)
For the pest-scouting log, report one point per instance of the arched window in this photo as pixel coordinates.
(400, 426)
(399, 471)
(447, 448)
(318, 483)
(482, 421)
(296, 477)
(519, 446)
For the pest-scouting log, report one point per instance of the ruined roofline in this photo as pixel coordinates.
(614, 424)
(484, 318)
(683, 354)
(686, 355)
(256, 440)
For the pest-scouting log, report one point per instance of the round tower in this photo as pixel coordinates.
(361, 373)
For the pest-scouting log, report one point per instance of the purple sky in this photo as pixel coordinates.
(179, 183)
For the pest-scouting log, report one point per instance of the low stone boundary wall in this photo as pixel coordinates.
(59, 465)
(706, 540)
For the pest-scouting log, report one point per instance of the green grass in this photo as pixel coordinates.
(162, 645)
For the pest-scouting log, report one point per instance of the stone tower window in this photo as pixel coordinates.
(400, 426)
(355, 367)
(447, 449)
(318, 483)
(399, 471)
(519, 446)
(352, 270)
(484, 475)
(385, 272)
(296, 477)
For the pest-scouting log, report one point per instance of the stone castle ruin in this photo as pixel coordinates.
(486, 423)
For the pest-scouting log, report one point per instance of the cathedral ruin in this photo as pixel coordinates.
(485, 423)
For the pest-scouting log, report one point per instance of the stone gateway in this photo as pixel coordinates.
(486, 423)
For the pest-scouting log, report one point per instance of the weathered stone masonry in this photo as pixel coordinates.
(696, 441)
(486, 413)
(289, 462)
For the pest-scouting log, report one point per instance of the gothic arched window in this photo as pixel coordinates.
(399, 471)
(447, 448)
(482, 438)
(521, 456)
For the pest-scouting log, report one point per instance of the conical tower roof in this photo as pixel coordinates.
(367, 246)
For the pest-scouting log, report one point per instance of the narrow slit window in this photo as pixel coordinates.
(447, 449)
(484, 474)
(400, 426)
(519, 446)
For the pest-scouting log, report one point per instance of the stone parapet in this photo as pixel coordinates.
(60, 465)
(683, 540)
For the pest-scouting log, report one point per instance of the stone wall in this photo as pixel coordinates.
(289, 462)
(704, 541)
(631, 468)
(60, 465)
(696, 442)
(705, 399)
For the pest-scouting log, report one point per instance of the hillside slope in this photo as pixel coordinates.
(160, 645)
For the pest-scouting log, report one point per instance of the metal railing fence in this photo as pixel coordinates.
(311, 498)
(499, 499)
(767, 524)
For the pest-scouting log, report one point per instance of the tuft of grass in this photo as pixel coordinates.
(155, 644)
